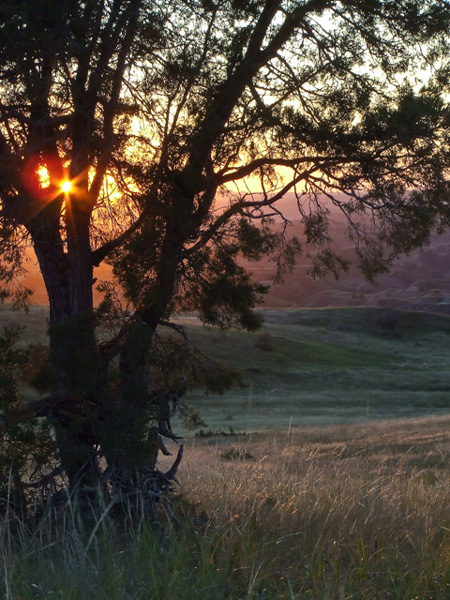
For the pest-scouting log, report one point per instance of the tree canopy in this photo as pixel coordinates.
(180, 125)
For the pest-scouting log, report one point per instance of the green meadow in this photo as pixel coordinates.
(314, 367)
(329, 366)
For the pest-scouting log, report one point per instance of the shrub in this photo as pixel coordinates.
(264, 342)
(26, 446)
(237, 454)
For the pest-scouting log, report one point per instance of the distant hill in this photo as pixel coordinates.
(420, 281)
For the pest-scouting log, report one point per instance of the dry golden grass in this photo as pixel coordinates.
(359, 511)
(34, 323)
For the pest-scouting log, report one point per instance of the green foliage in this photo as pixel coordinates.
(25, 443)
(174, 361)
(222, 291)
(36, 369)
(264, 341)
(191, 418)
(255, 241)
(228, 300)
(237, 453)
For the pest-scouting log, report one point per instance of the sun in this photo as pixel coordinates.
(66, 186)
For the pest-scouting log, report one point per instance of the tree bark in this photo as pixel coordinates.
(73, 355)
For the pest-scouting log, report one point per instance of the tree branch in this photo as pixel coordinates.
(110, 111)
(239, 207)
(101, 253)
(246, 170)
(232, 88)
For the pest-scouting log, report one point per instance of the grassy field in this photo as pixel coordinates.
(34, 323)
(323, 496)
(324, 366)
(354, 512)
(316, 367)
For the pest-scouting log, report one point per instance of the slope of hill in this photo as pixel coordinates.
(315, 366)
(420, 281)
(321, 366)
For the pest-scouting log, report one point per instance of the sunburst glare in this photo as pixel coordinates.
(66, 186)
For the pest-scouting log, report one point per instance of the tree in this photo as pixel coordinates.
(162, 116)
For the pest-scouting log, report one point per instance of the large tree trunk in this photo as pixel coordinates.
(73, 356)
(84, 414)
